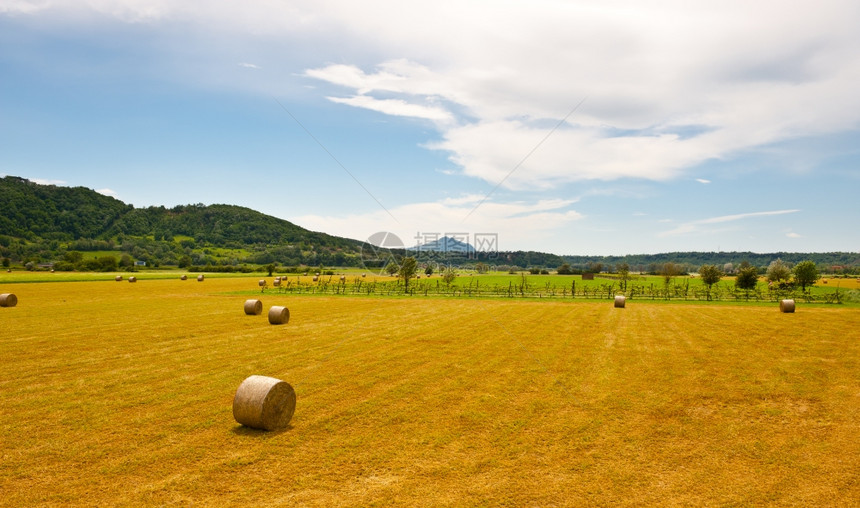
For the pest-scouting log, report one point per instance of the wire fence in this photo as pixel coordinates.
(524, 289)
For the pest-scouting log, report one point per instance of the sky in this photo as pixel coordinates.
(579, 128)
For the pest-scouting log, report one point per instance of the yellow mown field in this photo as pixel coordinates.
(120, 394)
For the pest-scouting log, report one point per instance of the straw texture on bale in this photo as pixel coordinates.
(200, 278)
(8, 300)
(118, 278)
(253, 307)
(263, 402)
(786, 306)
(277, 282)
(316, 278)
(132, 279)
(342, 277)
(184, 277)
(279, 315)
(620, 301)
(262, 282)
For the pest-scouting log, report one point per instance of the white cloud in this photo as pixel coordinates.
(694, 226)
(793, 235)
(21, 6)
(702, 180)
(107, 192)
(249, 65)
(668, 87)
(396, 107)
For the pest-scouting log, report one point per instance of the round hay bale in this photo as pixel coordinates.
(364, 275)
(200, 278)
(620, 300)
(342, 278)
(277, 282)
(132, 279)
(279, 315)
(277, 279)
(786, 306)
(262, 282)
(8, 300)
(184, 277)
(118, 278)
(316, 278)
(263, 402)
(253, 307)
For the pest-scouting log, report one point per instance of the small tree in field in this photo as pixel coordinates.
(449, 275)
(668, 271)
(408, 268)
(778, 271)
(428, 271)
(710, 276)
(806, 273)
(624, 271)
(747, 278)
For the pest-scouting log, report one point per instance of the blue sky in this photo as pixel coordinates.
(567, 127)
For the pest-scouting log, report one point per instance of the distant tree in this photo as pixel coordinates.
(564, 269)
(449, 275)
(392, 268)
(595, 266)
(728, 268)
(270, 268)
(408, 268)
(805, 274)
(7, 262)
(73, 256)
(623, 270)
(747, 277)
(126, 261)
(481, 267)
(107, 264)
(185, 261)
(778, 271)
(668, 271)
(429, 270)
(710, 276)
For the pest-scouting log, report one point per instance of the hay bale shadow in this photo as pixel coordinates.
(242, 430)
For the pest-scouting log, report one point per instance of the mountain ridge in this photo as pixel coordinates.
(40, 222)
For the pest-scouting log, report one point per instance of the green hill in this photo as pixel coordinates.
(46, 223)
(41, 222)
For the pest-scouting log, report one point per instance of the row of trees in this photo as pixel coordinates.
(804, 274)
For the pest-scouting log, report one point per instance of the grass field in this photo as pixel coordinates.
(120, 394)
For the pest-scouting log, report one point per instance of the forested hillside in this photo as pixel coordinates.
(42, 224)
(39, 223)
